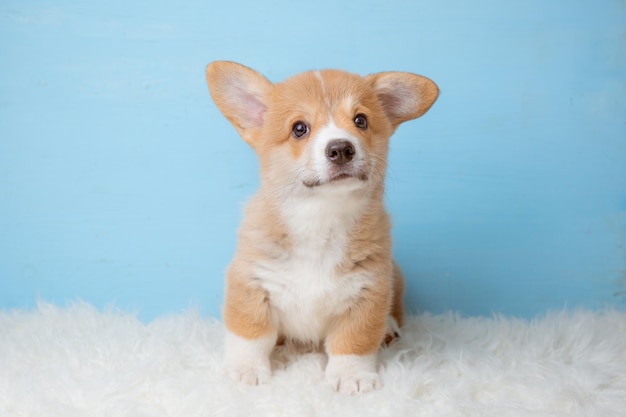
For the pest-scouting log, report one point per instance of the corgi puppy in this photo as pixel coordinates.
(313, 261)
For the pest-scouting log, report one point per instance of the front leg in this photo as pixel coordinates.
(352, 344)
(250, 333)
(248, 360)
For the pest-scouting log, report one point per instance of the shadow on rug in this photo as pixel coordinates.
(77, 361)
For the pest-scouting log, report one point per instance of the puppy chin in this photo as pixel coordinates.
(338, 179)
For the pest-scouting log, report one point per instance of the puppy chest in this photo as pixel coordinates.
(306, 292)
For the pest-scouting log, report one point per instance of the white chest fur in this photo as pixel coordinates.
(306, 290)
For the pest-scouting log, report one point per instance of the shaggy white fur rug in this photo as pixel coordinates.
(77, 361)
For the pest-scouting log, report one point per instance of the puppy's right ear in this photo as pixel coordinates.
(241, 94)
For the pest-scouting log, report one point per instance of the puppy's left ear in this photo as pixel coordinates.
(403, 95)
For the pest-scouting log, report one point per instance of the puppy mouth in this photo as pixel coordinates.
(339, 177)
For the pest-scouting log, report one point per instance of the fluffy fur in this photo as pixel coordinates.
(77, 361)
(313, 262)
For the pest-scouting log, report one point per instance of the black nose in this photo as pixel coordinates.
(340, 151)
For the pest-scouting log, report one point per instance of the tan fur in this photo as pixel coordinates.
(263, 114)
(246, 310)
(397, 307)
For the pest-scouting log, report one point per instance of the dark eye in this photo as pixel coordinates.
(299, 129)
(360, 120)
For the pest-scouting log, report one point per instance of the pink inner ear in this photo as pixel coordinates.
(398, 101)
(257, 111)
(251, 108)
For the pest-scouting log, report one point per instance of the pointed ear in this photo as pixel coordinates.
(241, 95)
(404, 96)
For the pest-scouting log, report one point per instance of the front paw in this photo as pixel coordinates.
(248, 360)
(353, 384)
(351, 374)
(251, 374)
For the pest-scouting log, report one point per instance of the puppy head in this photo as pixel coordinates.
(319, 130)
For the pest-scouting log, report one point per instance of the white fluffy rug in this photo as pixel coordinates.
(77, 361)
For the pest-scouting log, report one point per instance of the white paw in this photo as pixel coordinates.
(249, 374)
(351, 374)
(248, 360)
(352, 384)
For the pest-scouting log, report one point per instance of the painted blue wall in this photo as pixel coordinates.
(120, 183)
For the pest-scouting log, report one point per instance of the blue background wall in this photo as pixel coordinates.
(121, 183)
